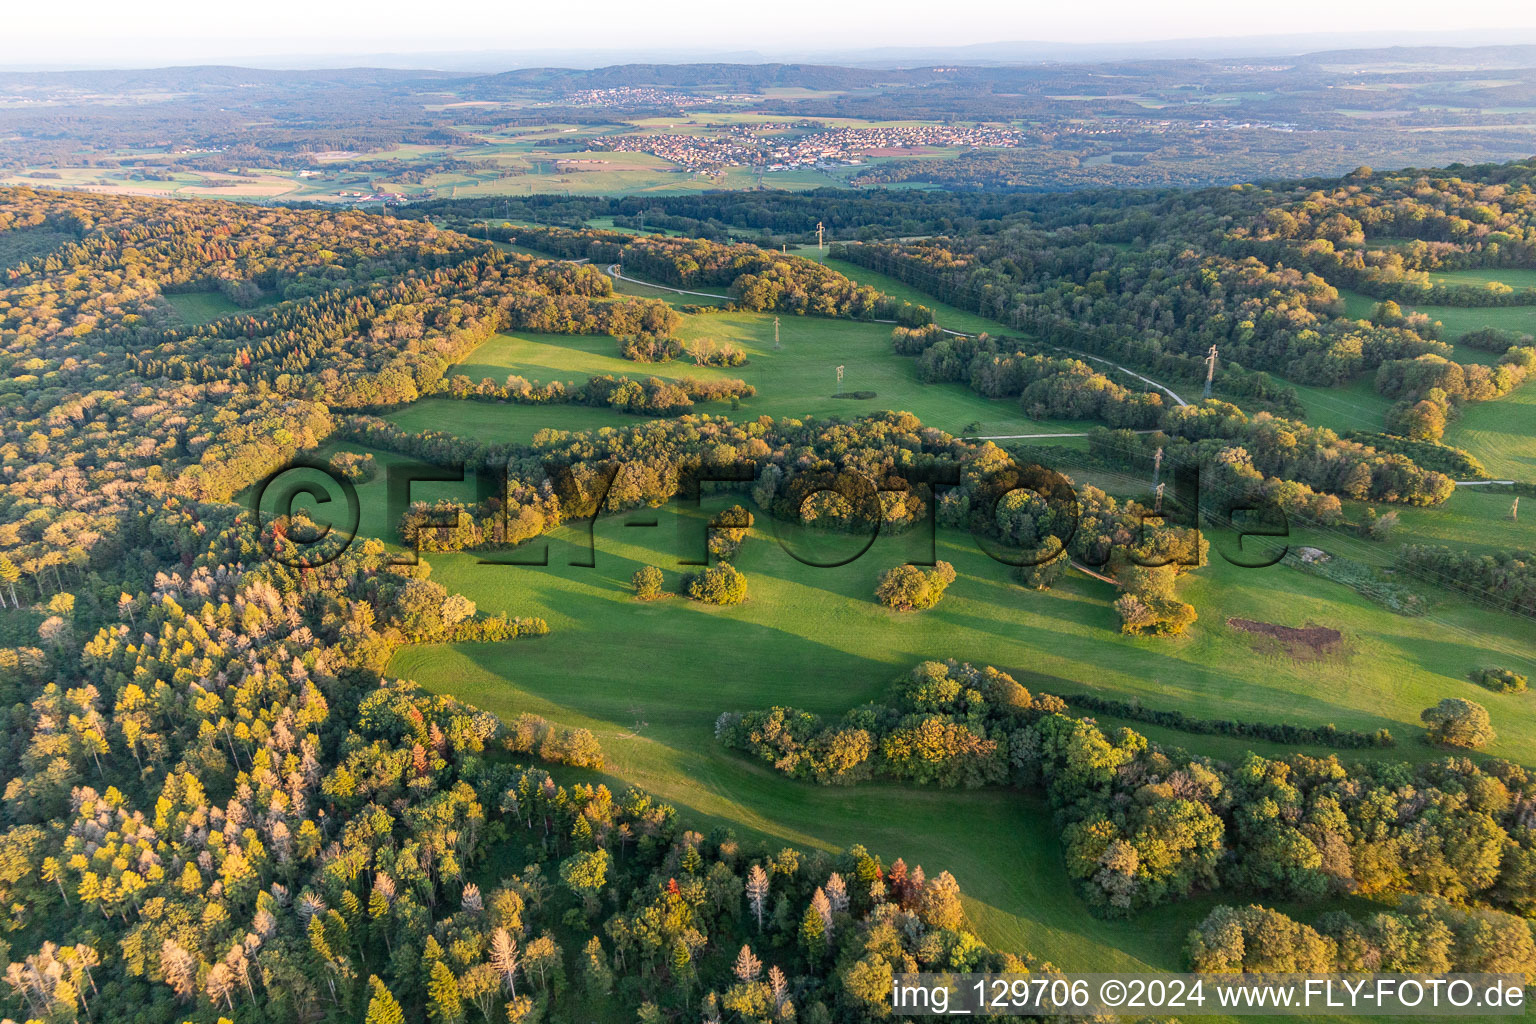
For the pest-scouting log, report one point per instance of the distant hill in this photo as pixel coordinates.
(210, 76)
(1522, 56)
(743, 77)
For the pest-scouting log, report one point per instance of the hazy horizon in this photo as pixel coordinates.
(97, 35)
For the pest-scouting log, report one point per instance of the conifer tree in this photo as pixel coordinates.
(446, 1004)
(757, 892)
(596, 975)
(747, 967)
(383, 1008)
(813, 935)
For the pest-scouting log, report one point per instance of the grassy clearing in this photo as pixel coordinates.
(1458, 320)
(646, 291)
(800, 379)
(952, 317)
(562, 357)
(956, 319)
(1501, 433)
(1475, 518)
(607, 224)
(1454, 320)
(503, 424)
(509, 247)
(1356, 305)
(1355, 406)
(815, 638)
(202, 307)
(1514, 277)
(375, 518)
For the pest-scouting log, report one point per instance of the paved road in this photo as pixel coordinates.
(1017, 437)
(613, 271)
(946, 330)
(1165, 389)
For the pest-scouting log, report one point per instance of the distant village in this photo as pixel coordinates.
(643, 96)
(767, 145)
(764, 145)
(848, 145)
(697, 152)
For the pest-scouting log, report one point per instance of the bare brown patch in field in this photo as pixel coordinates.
(1308, 642)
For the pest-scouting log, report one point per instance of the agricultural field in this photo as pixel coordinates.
(259, 186)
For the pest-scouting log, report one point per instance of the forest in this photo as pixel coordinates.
(203, 755)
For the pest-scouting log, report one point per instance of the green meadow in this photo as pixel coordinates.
(798, 379)
(952, 317)
(1454, 320)
(201, 307)
(1354, 406)
(650, 679)
(1458, 320)
(1501, 433)
(500, 423)
(1476, 518)
(814, 638)
(1515, 277)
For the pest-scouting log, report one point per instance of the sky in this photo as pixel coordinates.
(114, 33)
